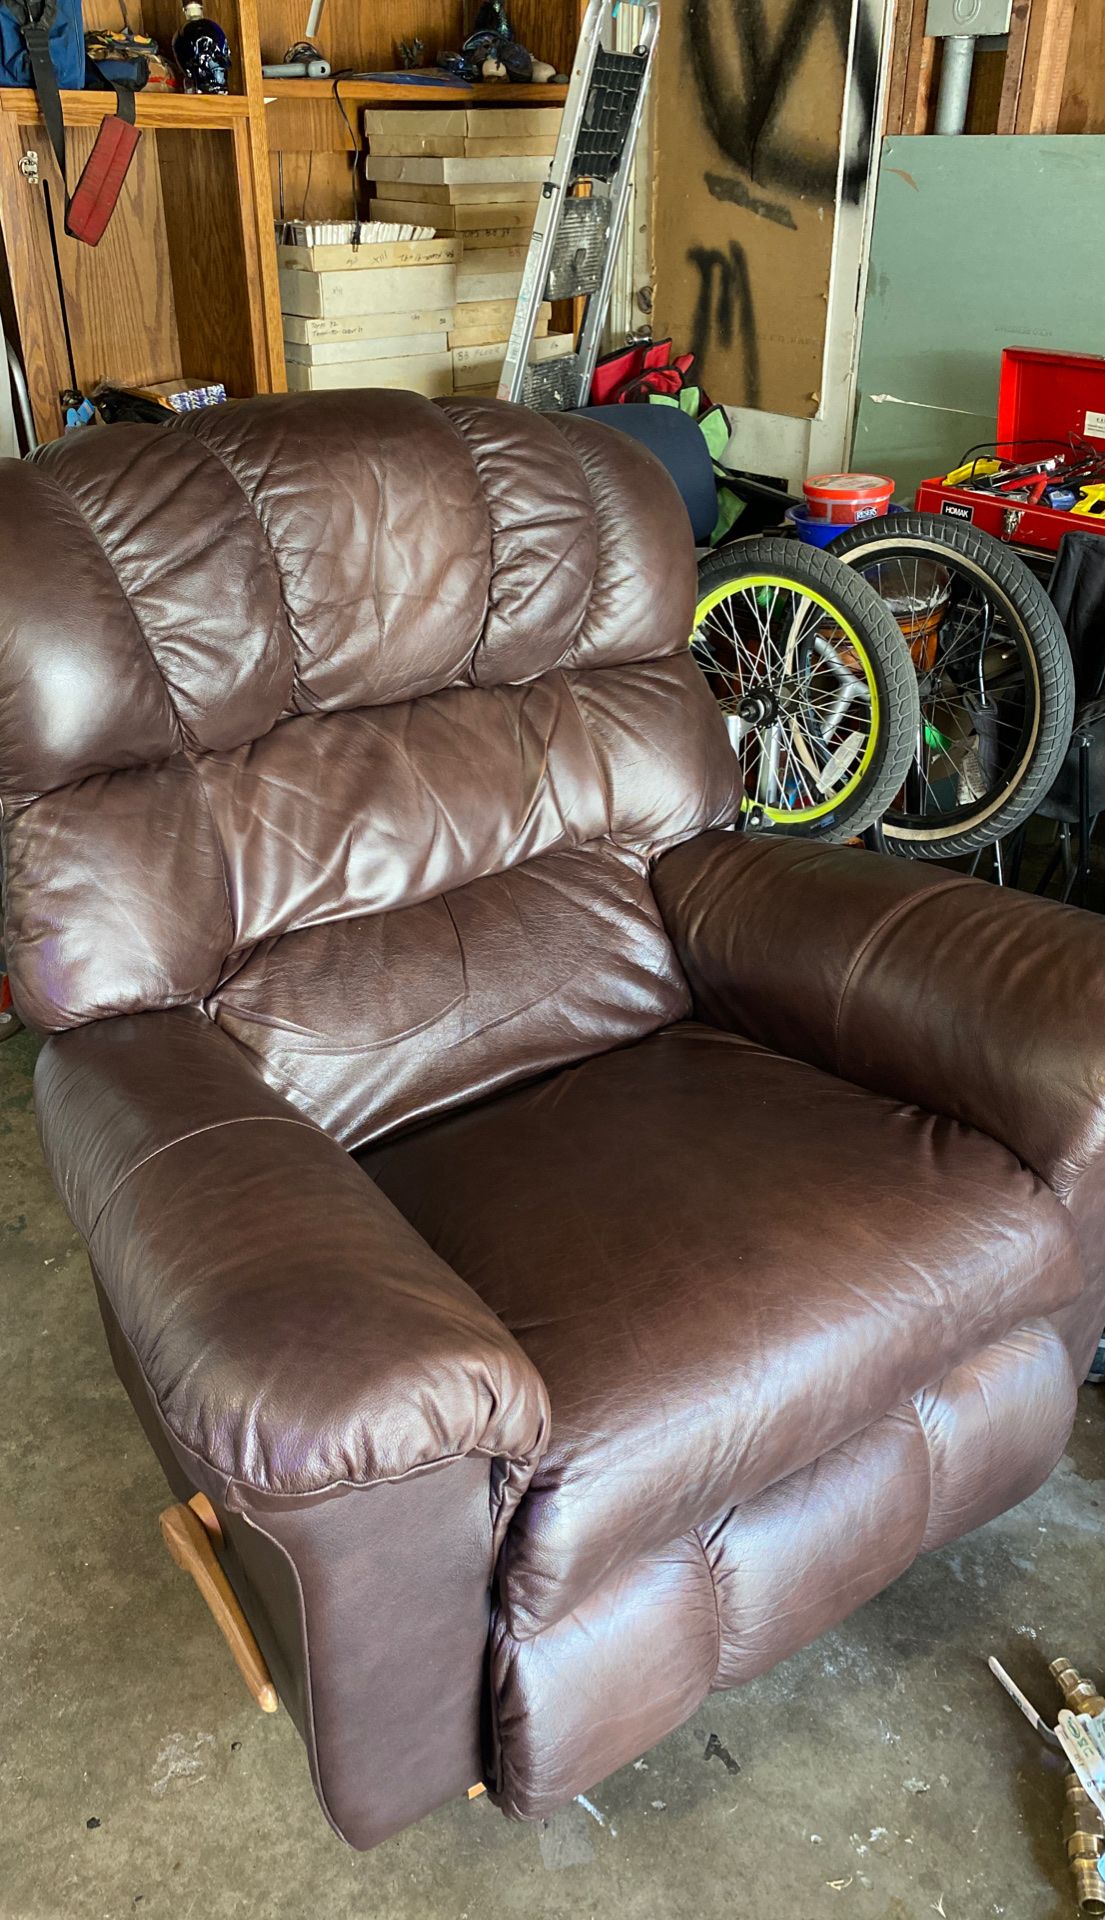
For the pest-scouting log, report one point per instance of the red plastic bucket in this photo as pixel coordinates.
(843, 498)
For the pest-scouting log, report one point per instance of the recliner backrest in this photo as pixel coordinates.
(356, 719)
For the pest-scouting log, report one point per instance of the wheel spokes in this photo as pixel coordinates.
(773, 653)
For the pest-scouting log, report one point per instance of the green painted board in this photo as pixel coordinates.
(979, 243)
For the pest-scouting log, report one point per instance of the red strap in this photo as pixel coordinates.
(101, 181)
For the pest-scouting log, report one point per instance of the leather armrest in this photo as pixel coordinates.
(362, 1422)
(972, 1001)
(295, 1333)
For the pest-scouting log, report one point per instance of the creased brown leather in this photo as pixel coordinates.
(732, 1597)
(321, 674)
(974, 1001)
(369, 1024)
(338, 734)
(295, 1332)
(336, 1589)
(978, 1002)
(758, 1321)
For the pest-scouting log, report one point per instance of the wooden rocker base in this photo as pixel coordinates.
(190, 1533)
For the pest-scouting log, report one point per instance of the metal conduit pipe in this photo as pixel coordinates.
(956, 67)
(960, 24)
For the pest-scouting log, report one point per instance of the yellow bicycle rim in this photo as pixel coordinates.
(749, 584)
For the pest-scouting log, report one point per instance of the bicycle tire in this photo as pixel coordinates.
(1025, 607)
(861, 610)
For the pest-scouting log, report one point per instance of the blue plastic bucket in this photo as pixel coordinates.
(814, 533)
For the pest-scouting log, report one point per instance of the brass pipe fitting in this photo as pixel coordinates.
(1084, 1831)
(1083, 1826)
(1081, 1696)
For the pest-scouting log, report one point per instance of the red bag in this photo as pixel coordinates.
(631, 373)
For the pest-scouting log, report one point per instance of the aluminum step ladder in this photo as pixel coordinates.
(575, 237)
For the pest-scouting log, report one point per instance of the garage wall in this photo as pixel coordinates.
(750, 99)
(1066, 67)
(948, 286)
(952, 279)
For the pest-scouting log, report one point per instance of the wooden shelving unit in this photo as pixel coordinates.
(198, 111)
(185, 280)
(370, 92)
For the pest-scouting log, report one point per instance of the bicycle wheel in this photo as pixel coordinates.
(994, 677)
(815, 682)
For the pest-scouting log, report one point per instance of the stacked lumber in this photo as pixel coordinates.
(458, 196)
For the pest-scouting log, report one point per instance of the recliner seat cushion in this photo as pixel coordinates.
(723, 1263)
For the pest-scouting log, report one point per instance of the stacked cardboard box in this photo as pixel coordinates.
(376, 315)
(457, 196)
(475, 175)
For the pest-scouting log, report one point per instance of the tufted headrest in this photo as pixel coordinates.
(191, 586)
(302, 661)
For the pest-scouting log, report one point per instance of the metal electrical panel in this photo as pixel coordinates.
(973, 17)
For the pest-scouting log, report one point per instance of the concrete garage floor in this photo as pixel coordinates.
(880, 1775)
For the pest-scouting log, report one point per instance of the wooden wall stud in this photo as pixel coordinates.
(1036, 66)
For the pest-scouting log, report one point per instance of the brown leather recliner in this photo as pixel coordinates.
(580, 1252)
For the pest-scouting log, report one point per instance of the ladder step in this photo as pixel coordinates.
(616, 81)
(580, 248)
(552, 385)
(571, 250)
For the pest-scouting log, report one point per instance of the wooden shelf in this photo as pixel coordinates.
(197, 111)
(186, 273)
(386, 93)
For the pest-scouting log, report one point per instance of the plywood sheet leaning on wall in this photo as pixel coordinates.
(951, 284)
(748, 109)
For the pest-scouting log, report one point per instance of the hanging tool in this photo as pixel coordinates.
(575, 238)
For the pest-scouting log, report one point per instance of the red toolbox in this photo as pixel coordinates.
(1047, 403)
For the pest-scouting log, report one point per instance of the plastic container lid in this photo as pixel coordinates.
(847, 486)
(842, 496)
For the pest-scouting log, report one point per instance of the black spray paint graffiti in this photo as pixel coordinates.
(724, 188)
(746, 67)
(725, 298)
